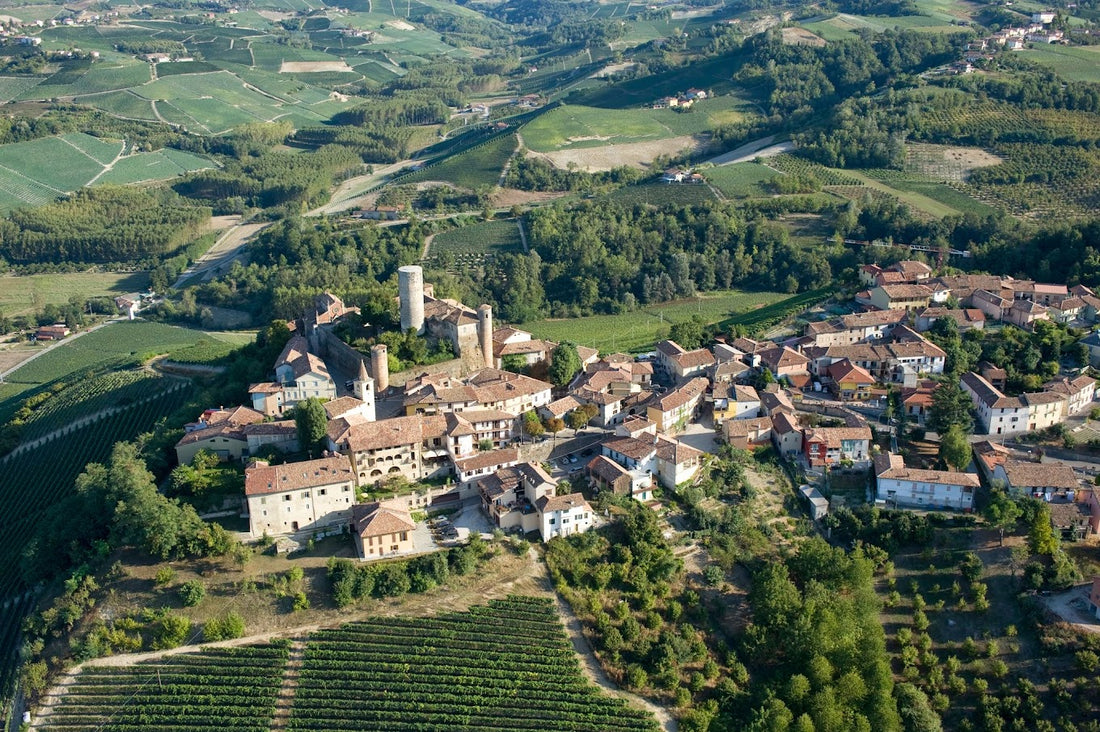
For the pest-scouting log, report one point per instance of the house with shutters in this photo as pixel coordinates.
(314, 496)
(901, 486)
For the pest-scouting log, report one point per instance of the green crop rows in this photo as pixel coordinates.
(478, 166)
(468, 246)
(660, 194)
(795, 165)
(34, 480)
(89, 396)
(741, 180)
(211, 690)
(508, 666)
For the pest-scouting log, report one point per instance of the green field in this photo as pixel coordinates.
(38, 171)
(640, 330)
(740, 180)
(110, 345)
(660, 194)
(843, 25)
(468, 245)
(572, 126)
(27, 293)
(479, 166)
(1072, 63)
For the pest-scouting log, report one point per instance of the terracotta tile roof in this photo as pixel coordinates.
(282, 427)
(782, 357)
(522, 347)
(562, 406)
(699, 358)
(1071, 386)
(911, 267)
(832, 436)
(682, 395)
(872, 319)
(1043, 397)
(335, 408)
(487, 459)
(296, 355)
(784, 423)
(847, 371)
(380, 519)
(1067, 514)
(670, 348)
(606, 469)
(676, 452)
(546, 504)
(1040, 475)
(223, 423)
(745, 427)
(745, 393)
(907, 292)
(893, 468)
(991, 454)
(632, 447)
(265, 387)
(388, 433)
(263, 479)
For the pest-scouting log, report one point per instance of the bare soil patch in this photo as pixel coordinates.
(802, 37)
(305, 67)
(400, 25)
(633, 154)
(948, 162)
(611, 69)
(506, 197)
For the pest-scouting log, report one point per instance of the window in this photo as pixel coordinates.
(305, 494)
(553, 521)
(404, 536)
(287, 497)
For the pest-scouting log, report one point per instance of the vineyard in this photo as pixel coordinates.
(796, 165)
(476, 167)
(211, 690)
(507, 666)
(468, 246)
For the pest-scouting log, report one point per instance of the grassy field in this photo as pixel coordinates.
(37, 171)
(111, 345)
(1072, 63)
(843, 25)
(741, 180)
(25, 294)
(640, 330)
(659, 194)
(572, 126)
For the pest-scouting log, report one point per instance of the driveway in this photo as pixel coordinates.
(1073, 607)
(700, 435)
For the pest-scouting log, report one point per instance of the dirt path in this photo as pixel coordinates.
(284, 702)
(765, 147)
(355, 192)
(1072, 607)
(225, 250)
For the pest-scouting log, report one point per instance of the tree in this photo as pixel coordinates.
(917, 714)
(1041, 537)
(564, 363)
(1002, 513)
(950, 406)
(955, 448)
(554, 426)
(690, 334)
(532, 425)
(577, 420)
(311, 420)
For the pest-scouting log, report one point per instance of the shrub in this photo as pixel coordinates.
(164, 576)
(301, 602)
(192, 593)
(231, 626)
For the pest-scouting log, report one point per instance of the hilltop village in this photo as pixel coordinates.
(832, 401)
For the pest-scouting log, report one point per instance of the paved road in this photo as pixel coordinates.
(218, 257)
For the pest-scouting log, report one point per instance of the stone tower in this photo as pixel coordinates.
(485, 332)
(364, 390)
(380, 365)
(410, 284)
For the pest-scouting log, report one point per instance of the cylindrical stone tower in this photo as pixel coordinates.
(380, 365)
(485, 332)
(410, 284)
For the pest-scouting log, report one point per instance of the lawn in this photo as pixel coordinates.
(25, 294)
(640, 330)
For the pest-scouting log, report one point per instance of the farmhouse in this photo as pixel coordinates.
(674, 410)
(915, 488)
(299, 375)
(679, 363)
(381, 529)
(305, 496)
(221, 431)
(745, 434)
(522, 497)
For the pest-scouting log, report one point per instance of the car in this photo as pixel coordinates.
(572, 458)
(563, 462)
(349, 385)
(575, 469)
